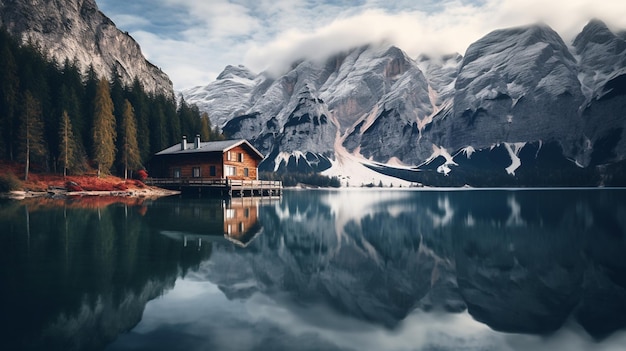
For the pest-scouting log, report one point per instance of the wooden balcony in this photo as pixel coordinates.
(222, 187)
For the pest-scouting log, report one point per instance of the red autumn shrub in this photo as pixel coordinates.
(141, 174)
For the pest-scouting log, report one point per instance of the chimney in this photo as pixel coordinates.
(196, 142)
(183, 144)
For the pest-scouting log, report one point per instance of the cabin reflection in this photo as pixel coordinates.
(201, 221)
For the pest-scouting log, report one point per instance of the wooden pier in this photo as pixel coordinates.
(221, 187)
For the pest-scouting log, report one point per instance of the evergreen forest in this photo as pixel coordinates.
(56, 118)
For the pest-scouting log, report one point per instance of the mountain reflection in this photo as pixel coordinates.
(235, 274)
(521, 262)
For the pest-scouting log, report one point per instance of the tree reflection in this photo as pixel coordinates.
(74, 277)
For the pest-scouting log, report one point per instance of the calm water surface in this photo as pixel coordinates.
(318, 270)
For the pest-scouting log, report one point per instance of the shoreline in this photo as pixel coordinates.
(147, 192)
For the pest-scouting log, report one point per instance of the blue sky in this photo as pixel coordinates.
(193, 40)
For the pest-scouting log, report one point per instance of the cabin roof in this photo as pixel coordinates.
(208, 146)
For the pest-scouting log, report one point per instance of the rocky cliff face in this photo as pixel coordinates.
(603, 77)
(76, 29)
(520, 108)
(516, 85)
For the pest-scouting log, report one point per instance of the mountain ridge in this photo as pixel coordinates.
(78, 30)
(515, 88)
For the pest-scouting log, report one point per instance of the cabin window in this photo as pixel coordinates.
(241, 227)
(228, 157)
(212, 171)
(176, 172)
(246, 172)
(230, 171)
(246, 212)
(196, 172)
(241, 157)
(229, 213)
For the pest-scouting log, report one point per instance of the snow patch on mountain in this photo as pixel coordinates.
(351, 170)
(440, 151)
(467, 151)
(514, 149)
(283, 158)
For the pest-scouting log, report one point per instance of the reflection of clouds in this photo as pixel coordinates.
(196, 310)
(570, 337)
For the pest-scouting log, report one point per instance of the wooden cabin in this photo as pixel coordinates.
(225, 159)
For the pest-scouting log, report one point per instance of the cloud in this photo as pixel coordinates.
(194, 40)
(218, 18)
(451, 29)
(414, 32)
(185, 62)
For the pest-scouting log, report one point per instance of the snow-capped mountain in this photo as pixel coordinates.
(78, 30)
(516, 85)
(521, 107)
(603, 75)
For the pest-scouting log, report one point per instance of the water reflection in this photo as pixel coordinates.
(331, 266)
(193, 221)
(76, 273)
(332, 270)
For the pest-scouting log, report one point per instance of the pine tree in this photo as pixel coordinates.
(138, 99)
(172, 124)
(34, 73)
(116, 91)
(8, 98)
(130, 149)
(205, 127)
(31, 132)
(103, 130)
(72, 95)
(68, 150)
(91, 87)
(9, 85)
(53, 111)
(216, 134)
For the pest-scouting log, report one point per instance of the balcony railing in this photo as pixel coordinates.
(213, 182)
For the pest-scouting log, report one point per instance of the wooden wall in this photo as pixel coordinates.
(163, 166)
(249, 161)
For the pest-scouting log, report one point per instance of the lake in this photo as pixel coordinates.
(355, 269)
